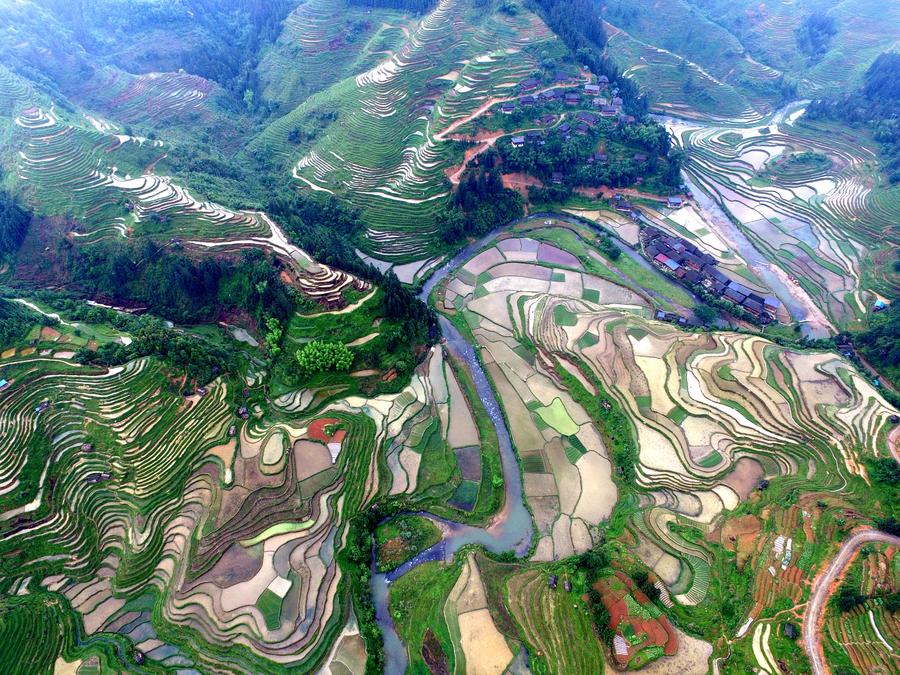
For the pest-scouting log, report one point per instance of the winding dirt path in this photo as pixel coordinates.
(484, 107)
(823, 587)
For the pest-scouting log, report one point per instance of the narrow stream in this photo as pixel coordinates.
(510, 530)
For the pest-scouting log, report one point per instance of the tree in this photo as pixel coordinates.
(814, 34)
(706, 314)
(319, 356)
(14, 221)
(273, 336)
(885, 470)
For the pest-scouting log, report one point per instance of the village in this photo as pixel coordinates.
(531, 96)
(683, 260)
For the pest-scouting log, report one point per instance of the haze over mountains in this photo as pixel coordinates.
(449, 336)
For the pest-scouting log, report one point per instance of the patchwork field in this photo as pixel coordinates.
(565, 462)
(83, 454)
(714, 414)
(580, 473)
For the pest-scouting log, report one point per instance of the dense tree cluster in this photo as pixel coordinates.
(884, 470)
(178, 288)
(814, 34)
(876, 105)
(480, 202)
(199, 359)
(320, 356)
(570, 157)
(14, 221)
(15, 320)
(880, 344)
(326, 230)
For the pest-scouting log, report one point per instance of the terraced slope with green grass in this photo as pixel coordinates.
(386, 146)
(73, 164)
(694, 56)
(323, 42)
(680, 86)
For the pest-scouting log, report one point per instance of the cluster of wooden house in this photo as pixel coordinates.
(608, 105)
(685, 261)
(621, 204)
(581, 125)
(553, 582)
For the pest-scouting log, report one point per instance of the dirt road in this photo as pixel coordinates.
(824, 585)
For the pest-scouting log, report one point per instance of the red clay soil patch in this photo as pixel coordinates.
(658, 631)
(49, 334)
(520, 182)
(316, 430)
(741, 535)
(671, 647)
(484, 141)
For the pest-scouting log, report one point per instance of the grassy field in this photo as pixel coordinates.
(402, 538)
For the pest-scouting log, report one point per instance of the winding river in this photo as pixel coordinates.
(511, 529)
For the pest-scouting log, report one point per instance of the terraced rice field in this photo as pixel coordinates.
(151, 98)
(71, 166)
(322, 42)
(108, 477)
(817, 227)
(566, 468)
(555, 625)
(663, 74)
(869, 634)
(713, 414)
(724, 39)
(864, 34)
(388, 149)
